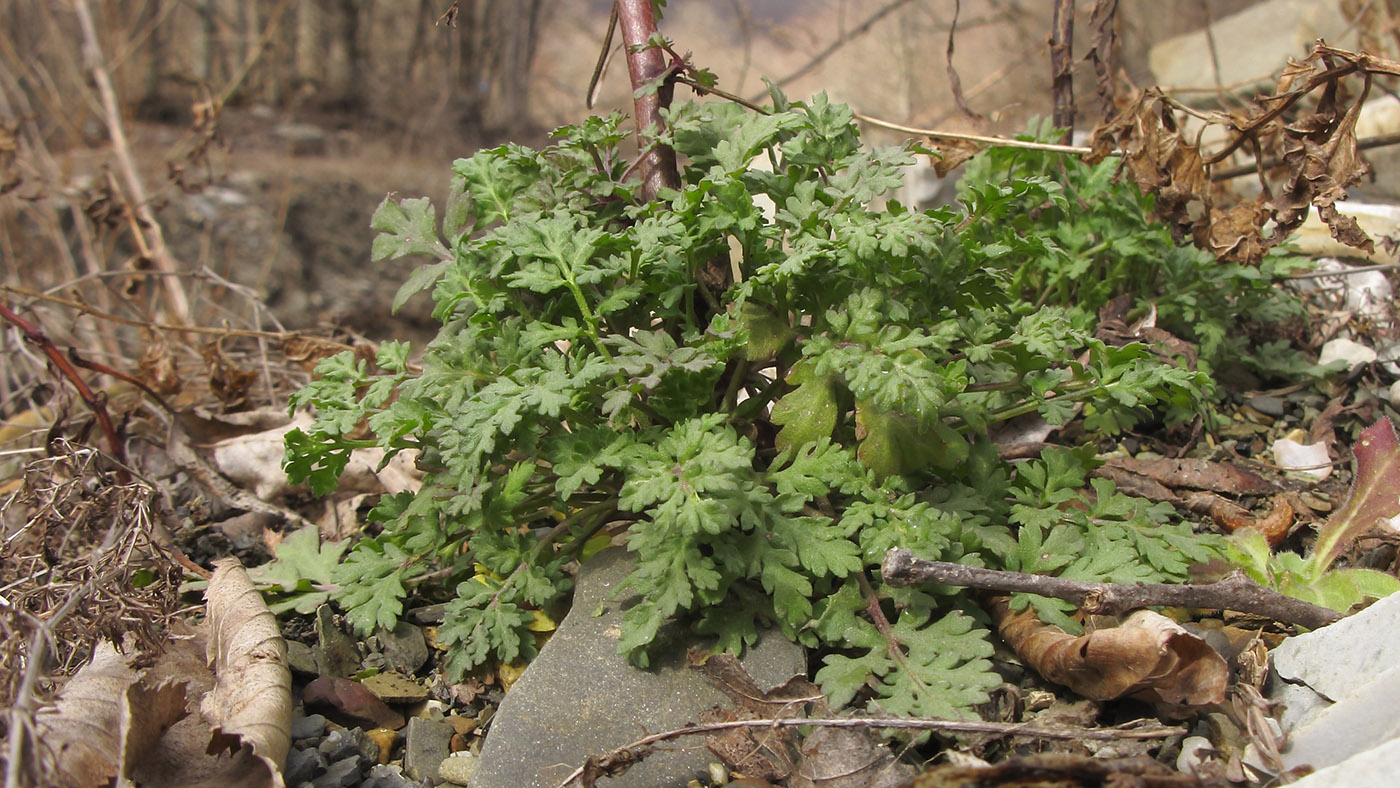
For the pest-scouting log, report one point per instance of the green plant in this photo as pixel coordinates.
(1312, 578)
(1105, 244)
(761, 403)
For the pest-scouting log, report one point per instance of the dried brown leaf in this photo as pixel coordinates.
(1060, 771)
(761, 753)
(1197, 474)
(251, 704)
(1147, 656)
(83, 727)
(951, 154)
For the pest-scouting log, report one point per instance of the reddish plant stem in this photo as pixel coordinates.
(647, 64)
(1235, 592)
(41, 342)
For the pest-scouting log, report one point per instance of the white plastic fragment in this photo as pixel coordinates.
(1341, 349)
(1290, 455)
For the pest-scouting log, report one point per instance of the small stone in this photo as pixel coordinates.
(309, 727)
(430, 614)
(426, 744)
(458, 769)
(302, 766)
(301, 658)
(395, 688)
(430, 709)
(1267, 404)
(349, 704)
(340, 774)
(1354, 354)
(385, 739)
(338, 745)
(404, 647)
(386, 777)
(459, 743)
(460, 724)
(336, 652)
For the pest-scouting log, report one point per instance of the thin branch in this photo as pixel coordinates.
(1235, 592)
(64, 366)
(830, 49)
(149, 229)
(999, 142)
(624, 756)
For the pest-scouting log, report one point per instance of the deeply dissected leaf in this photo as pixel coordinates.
(760, 403)
(303, 570)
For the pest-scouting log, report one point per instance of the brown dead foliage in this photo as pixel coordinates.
(1302, 138)
(1147, 656)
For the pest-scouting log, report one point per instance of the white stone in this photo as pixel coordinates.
(1290, 455)
(1341, 349)
(458, 769)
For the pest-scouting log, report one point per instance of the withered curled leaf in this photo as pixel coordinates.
(1148, 656)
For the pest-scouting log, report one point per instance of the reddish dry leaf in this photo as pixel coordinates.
(1232, 517)
(1147, 656)
(951, 154)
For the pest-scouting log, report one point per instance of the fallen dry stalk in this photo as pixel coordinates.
(618, 760)
(148, 232)
(1234, 592)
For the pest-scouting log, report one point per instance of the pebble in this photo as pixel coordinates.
(386, 739)
(386, 777)
(341, 774)
(395, 688)
(458, 769)
(1264, 403)
(302, 766)
(426, 745)
(308, 727)
(460, 724)
(338, 745)
(337, 654)
(403, 647)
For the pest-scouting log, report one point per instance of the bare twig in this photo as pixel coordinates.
(994, 142)
(830, 49)
(148, 228)
(625, 756)
(1235, 592)
(64, 366)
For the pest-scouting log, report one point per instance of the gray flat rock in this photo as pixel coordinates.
(1340, 688)
(579, 698)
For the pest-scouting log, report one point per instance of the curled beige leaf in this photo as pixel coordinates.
(82, 728)
(1148, 656)
(251, 703)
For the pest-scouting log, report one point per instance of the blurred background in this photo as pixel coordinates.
(266, 131)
